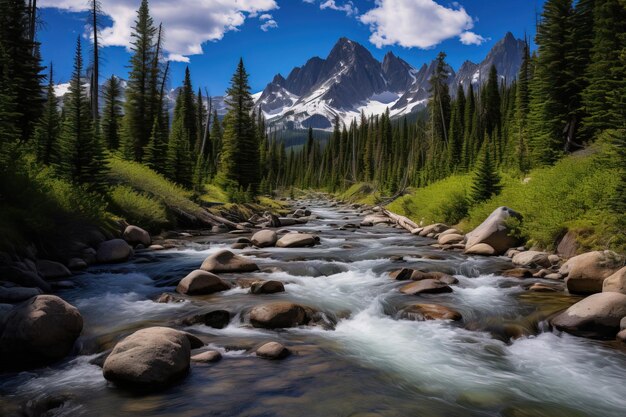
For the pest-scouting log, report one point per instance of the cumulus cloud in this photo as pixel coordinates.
(471, 38)
(187, 23)
(418, 23)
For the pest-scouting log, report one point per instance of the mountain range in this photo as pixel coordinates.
(351, 81)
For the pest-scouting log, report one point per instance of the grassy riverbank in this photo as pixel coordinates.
(573, 195)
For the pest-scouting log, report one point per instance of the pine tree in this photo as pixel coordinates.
(9, 118)
(81, 158)
(522, 108)
(47, 130)
(112, 113)
(605, 96)
(140, 101)
(239, 160)
(491, 102)
(22, 65)
(190, 116)
(179, 164)
(486, 179)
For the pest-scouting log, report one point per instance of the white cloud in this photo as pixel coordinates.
(187, 23)
(268, 24)
(471, 38)
(417, 23)
(347, 7)
(265, 16)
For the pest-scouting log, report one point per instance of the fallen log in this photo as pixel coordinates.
(401, 221)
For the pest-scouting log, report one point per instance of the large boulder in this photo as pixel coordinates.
(422, 312)
(112, 251)
(280, 314)
(532, 259)
(494, 231)
(150, 358)
(136, 235)
(226, 261)
(616, 282)
(481, 249)
(38, 331)
(597, 316)
(586, 273)
(296, 240)
(425, 286)
(264, 238)
(52, 270)
(200, 282)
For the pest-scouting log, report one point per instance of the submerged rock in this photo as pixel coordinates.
(218, 319)
(38, 331)
(273, 350)
(426, 286)
(200, 282)
(150, 358)
(422, 312)
(209, 356)
(597, 316)
(226, 261)
(266, 287)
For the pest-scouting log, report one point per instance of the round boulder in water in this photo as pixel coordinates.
(226, 261)
(135, 235)
(207, 357)
(586, 273)
(597, 316)
(115, 250)
(272, 350)
(38, 331)
(200, 282)
(278, 315)
(150, 358)
(267, 287)
(422, 312)
(264, 238)
(426, 286)
(296, 240)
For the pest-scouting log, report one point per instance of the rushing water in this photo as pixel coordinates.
(371, 364)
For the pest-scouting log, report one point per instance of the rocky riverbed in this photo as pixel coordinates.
(362, 321)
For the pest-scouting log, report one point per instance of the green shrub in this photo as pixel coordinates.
(138, 208)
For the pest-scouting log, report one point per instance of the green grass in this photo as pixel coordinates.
(573, 194)
(214, 194)
(362, 193)
(138, 208)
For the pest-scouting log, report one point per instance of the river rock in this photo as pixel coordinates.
(76, 264)
(272, 350)
(568, 246)
(433, 228)
(494, 231)
(135, 235)
(401, 274)
(52, 270)
(597, 316)
(422, 312)
(264, 238)
(532, 259)
(587, 272)
(17, 294)
(267, 287)
(226, 261)
(374, 219)
(481, 249)
(450, 239)
(296, 240)
(201, 282)
(150, 358)
(518, 273)
(280, 314)
(217, 319)
(239, 246)
(113, 251)
(39, 331)
(209, 356)
(23, 278)
(426, 286)
(616, 282)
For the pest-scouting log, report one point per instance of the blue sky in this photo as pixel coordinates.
(295, 30)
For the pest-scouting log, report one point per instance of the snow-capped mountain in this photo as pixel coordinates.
(350, 81)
